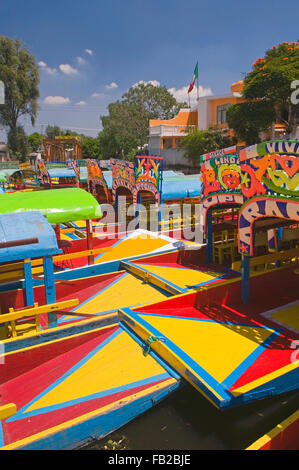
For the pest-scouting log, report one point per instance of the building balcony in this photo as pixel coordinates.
(167, 130)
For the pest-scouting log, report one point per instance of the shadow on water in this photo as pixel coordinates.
(186, 420)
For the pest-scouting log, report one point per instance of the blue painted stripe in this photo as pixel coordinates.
(102, 394)
(1, 434)
(101, 424)
(243, 366)
(210, 281)
(72, 236)
(139, 312)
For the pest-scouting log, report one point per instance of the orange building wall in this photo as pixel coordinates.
(184, 118)
(220, 102)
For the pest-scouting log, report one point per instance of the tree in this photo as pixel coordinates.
(20, 76)
(91, 148)
(126, 127)
(268, 89)
(156, 101)
(18, 144)
(53, 131)
(198, 142)
(248, 119)
(35, 141)
(108, 145)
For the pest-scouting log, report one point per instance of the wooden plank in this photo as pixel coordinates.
(81, 254)
(271, 258)
(7, 410)
(9, 272)
(151, 278)
(14, 315)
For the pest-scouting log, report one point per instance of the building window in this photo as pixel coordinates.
(221, 113)
(177, 142)
(167, 143)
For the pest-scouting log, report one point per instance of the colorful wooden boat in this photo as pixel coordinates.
(234, 338)
(230, 352)
(76, 382)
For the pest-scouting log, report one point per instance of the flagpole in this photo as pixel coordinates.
(189, 100)
(197, 84)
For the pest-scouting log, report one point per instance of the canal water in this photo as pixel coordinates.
(187, 421)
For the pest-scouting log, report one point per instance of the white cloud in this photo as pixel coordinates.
(81, 61)
(44, 67)
(98, 95)
(181, 94)
(89, 51)
(112, 85)
(68, 69)
(56, 100)
(152, 82)
(81, 103)
(50, 71)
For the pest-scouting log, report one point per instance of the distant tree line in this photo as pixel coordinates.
(125, 129)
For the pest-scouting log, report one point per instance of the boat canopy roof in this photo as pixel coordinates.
(61, 172)
(6, 173)
(29, 235)
(180, 188)
(58, 205)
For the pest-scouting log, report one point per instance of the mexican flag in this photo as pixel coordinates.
(195, 76)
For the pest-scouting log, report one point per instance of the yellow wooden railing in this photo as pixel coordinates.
(267, 262)
(33, 312)
(13, 271)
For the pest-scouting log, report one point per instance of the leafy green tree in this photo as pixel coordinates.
(18, 144)
(35, 141)
(53, 131)
(248, 119)
(108, 145)
(20, 75)
(156, 101)
(198, 142)
(126, 127)
(91, 148)
(266, 87)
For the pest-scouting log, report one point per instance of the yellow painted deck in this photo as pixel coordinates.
(287, 315)
(133, 246)
(126, 291)
(217, 348)
(115, 366)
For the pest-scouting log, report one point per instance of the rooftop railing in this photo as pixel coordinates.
(167, 130)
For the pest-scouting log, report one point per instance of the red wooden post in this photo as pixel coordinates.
(89, 240)
(57, 232)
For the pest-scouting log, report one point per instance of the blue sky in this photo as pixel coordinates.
(91, 52)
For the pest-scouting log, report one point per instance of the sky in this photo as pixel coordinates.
(91, 52)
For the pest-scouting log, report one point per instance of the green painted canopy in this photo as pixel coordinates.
(58, 205)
